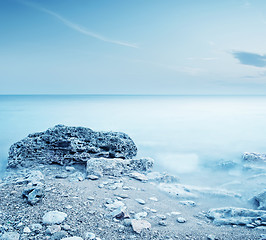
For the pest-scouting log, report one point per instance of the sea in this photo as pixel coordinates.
(185, 135)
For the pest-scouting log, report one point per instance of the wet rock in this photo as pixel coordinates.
(140, 201)
(67, 145)
(138, 176)
(10, 236)
(119, 213)
(254, 157)
(92, 177)
(33, 194)
(181, 220)
(259, 201)
(139, 225)
(237, 216)
(54, 217)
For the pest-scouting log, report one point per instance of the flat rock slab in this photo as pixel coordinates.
(54, 217)
(139, 225)
(67, 145)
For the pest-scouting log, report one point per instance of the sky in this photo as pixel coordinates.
(182, 47)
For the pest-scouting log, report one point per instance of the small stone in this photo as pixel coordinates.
(36, 227)
(153, 210)
(53, 229)
(211, 237)
(61, 175)
(59, 235)
(80, 178)
(175, 213)
(66, 227)
(89, 235)
(100, 186)
(140, 201)
(141, 215)
(139, 176)
(162, 223)
(161, 216)
(155, 199)
(90, 198)
(188, 203)
(20, 224)
(139, 225)
(181, 220)
(70, 169)
(72, 238)
(122, 195)
(250, 226)
(92, 177)
(68, 206)
(26, 230)
(54, 217)
(127, 222)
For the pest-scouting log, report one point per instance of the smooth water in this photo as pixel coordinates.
(182, 133)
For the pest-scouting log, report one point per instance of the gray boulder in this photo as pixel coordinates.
(68, 145)
(53, 217)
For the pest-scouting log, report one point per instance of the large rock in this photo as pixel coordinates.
(238, 216)
(117, 167)
(259, 201)
(67, 145)
(254, 157)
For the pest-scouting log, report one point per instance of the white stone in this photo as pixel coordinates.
(54, 217)
(139, 225)
(26, 230)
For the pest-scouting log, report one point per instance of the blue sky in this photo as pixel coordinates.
(133, 47)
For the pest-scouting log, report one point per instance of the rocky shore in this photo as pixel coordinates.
(76, 184)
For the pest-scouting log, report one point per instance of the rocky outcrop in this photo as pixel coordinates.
(68, 145)
(117, 167)
(237, 216)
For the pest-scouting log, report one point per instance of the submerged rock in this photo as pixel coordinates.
(237, 216)
(67, 145)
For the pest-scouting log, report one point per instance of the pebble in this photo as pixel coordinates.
(53, 229)
(140, 201)
(36, 227)
(139, 176)
(181, 220)
(68, 206)
(92, 177)
(66, 227)
(141, 215)
(89, 235)
(161, 216)
(122, 195)
(211, 237)
(162, 223)
(59, 235)
(90, 198)
(72, 238)
(175, 213)
(26, 230)
(153, 210)
(61, 176)
(155, 199)
(188, 203)
(250, 226)
(70, 169)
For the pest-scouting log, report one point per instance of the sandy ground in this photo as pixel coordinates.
(84, 202)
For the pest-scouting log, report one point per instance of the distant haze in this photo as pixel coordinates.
(133, 47)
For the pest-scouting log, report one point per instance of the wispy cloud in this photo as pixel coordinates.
(251, 59)
(202, 59)
(79, 28)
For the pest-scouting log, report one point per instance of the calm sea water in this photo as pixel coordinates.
(182, 133)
